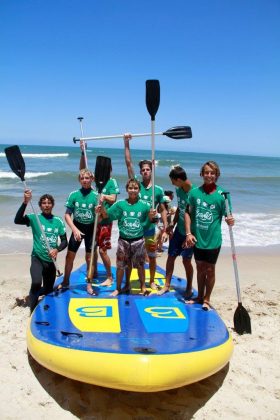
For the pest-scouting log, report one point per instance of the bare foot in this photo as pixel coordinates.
(115, 293)
(154, 286)
(195, 300)
(61, 286)
(206, 305)
(188, 294)
(90, 290)
(108, 282)
(126, 289)
(165, 289)
(144, 292)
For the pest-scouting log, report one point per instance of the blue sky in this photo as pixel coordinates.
(218, 63)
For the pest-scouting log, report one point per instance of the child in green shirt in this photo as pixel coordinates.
(133, 215)
(203, 218)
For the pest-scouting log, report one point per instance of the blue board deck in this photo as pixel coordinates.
(130, 326)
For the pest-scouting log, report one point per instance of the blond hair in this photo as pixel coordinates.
(213, 165)
(85, 171)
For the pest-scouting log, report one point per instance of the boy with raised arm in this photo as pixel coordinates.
(42, 268)
(133, 214)
(145, 194)
(203, 220)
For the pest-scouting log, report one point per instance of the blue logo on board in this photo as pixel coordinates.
(95, 311)
(158, 316)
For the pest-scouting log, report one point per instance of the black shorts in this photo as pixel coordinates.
(87, 230)
(207, 255)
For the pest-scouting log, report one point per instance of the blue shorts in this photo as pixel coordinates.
(175, 246)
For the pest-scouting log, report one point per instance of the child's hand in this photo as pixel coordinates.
(190, 241)
(127, 137)
(230, 220)
(27, 196)
(153, 215)
(98, 208)
(53, 253)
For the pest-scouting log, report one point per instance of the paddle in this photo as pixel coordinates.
(83, 143)
(152, 104)
(17, 165)
(176, 133)
(241, 318)
(102, 175)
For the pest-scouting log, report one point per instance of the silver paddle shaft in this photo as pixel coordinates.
(115, 136)
(233, 251)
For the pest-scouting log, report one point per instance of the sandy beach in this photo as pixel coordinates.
(248, 387)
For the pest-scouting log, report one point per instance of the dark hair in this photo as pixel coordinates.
(145, 162)
(46, 197)
(213, 165)
(168, 193)
(134, 181)
(177, 172)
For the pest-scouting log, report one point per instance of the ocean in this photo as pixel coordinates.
(253, 182)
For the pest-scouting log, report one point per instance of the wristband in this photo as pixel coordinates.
(82, 153)
(188, 234)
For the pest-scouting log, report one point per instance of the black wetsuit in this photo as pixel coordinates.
(39, 269)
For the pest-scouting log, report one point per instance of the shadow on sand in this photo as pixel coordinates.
(92, 402)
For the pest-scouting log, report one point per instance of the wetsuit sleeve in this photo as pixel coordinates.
(68, 211)
(63, 243)
(20, 218)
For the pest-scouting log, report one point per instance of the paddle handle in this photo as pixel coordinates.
(43, 234)
(115, 136)
(233, 251)
(83, 144)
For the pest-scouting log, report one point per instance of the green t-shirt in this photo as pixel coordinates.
(146, 195)
(182, 199)
(131, 217)
(207, 211)
(110, 188)
(82, 206)
(53, 228)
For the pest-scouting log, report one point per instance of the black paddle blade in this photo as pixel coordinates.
(242, 321)
(15, 160)
(102, 172)
(152, 97)
(180, 132)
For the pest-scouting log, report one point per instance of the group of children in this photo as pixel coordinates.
(197, 219)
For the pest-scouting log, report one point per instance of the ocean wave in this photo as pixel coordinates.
(28, 175)
(250, 230)
(254, 230)
(166, 162)
(14, 234)
(41, 155)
